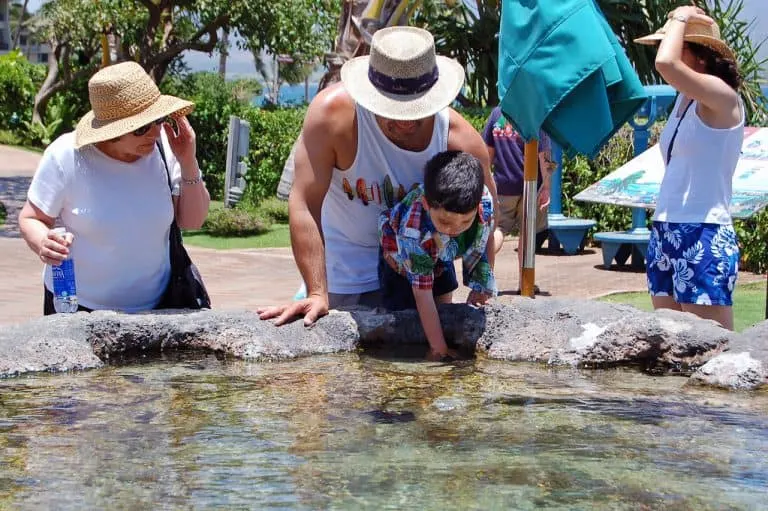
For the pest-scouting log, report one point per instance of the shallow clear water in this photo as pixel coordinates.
(356, 432)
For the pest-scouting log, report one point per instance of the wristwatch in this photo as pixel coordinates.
(680, 17)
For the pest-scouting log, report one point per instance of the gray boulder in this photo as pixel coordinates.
(84, 341)
(745, 366)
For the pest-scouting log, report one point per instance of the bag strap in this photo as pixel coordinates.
(159, 145)
(674, 135)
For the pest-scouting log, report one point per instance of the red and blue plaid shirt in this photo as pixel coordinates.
(412, 245)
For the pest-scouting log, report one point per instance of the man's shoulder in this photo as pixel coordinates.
(462, 136)
(333, 107)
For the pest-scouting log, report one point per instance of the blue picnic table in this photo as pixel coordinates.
(633, 243)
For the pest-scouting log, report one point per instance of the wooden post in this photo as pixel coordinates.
(528, 231)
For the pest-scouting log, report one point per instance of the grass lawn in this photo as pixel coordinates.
(748, 303)
(278, 236)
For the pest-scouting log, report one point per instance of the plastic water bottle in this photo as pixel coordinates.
(64, 289)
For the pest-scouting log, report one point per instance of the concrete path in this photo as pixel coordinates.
(253, 278)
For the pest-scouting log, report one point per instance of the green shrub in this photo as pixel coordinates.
(234, 222)
(753, 233)
(274, 209)
(273, 133)
(3, 213)
(19, 81)
(215, 101)
(8, 137)
(580, 172)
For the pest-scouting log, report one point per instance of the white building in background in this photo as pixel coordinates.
(35, 52)
(5, 26)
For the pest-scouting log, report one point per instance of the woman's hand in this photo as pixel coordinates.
(54, 248)
(183, 145)
(690, 12)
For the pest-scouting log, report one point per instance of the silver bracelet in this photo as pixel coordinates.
(193, 181)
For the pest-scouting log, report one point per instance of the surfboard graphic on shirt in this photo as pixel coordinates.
(376, 193)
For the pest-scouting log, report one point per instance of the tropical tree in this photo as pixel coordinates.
(468, 35)
(357, 22)
(156, 33)
(22, 13)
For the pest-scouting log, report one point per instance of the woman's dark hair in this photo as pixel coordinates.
(453, 181)
(715, 64)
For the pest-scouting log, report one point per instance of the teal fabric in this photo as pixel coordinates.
(561, 69)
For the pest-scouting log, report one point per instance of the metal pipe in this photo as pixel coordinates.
(530, 173)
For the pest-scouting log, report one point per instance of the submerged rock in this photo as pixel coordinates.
(579, 333)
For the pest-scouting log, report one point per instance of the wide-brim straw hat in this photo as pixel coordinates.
(124, 98)
(402, 78)
(697, 32)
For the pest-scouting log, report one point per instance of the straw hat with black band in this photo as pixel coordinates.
(696, 31)
(123, 99)
(402, 78)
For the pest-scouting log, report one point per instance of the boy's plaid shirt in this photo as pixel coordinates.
(412, 246)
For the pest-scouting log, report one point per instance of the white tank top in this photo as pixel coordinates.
(697, 184)
(379, 177)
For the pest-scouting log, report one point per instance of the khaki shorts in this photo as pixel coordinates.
(511, 215)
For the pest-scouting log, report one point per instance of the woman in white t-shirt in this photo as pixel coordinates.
(693, 253)
(107, 184)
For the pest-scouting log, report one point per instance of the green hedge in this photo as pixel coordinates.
(19, 81)
(273, 133)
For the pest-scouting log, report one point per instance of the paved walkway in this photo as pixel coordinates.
(252, 278)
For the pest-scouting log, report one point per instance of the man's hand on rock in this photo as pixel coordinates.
(312, 308)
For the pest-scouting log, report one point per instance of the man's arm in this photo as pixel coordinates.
(463, 137)
(315, 159)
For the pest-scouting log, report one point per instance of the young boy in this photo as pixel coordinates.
(449, 216)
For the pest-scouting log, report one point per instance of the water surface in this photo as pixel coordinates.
(360, 432)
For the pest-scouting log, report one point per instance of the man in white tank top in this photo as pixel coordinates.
(364, 145)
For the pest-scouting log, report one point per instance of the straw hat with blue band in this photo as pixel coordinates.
(402, 78)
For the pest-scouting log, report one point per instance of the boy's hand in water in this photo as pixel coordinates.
(442, 356)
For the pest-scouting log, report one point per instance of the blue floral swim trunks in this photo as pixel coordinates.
(694, 263)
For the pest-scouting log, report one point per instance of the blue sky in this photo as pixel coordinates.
(241, 62)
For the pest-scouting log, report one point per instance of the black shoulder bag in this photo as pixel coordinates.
(674, 135)
(186, 289)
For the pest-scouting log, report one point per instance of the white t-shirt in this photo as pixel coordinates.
(120, 214)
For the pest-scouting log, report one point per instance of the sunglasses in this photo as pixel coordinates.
(145, 129)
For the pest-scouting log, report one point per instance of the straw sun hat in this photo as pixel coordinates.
(124, 98)
(403, 79)
(695, 32)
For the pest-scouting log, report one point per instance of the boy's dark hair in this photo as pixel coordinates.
(724, 68)
(453, 181)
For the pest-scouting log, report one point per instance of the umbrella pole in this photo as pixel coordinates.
(530, 174)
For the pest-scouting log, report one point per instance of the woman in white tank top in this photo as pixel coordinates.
(693, 253)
